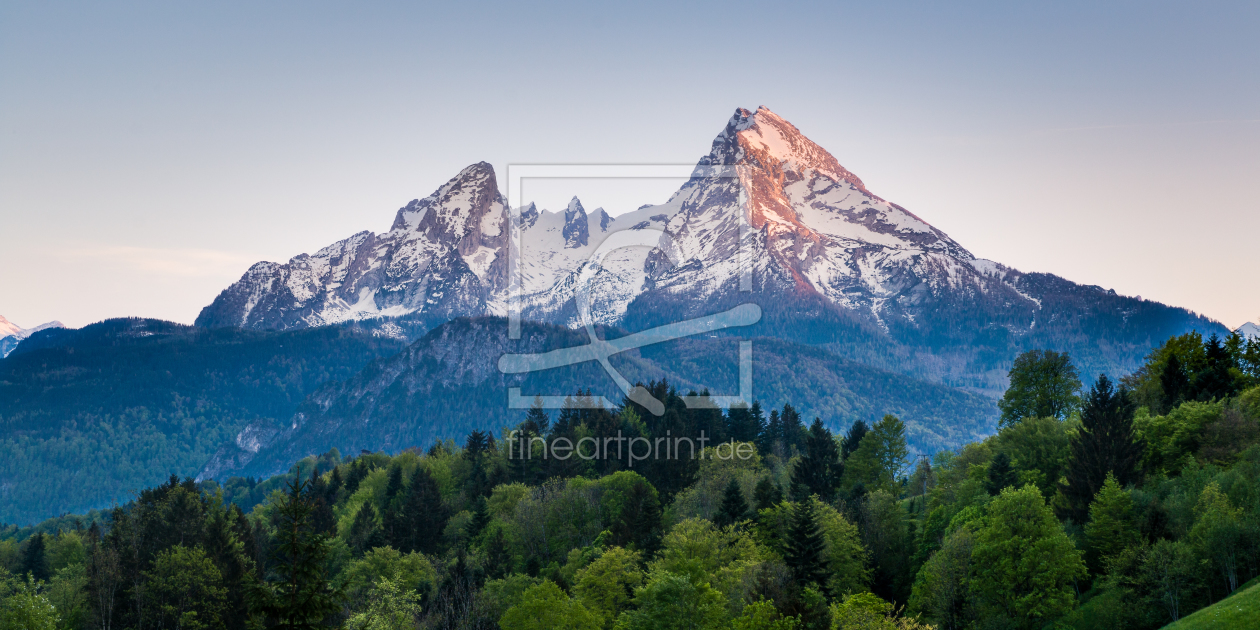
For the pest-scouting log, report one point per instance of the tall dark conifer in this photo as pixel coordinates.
(317, 492)
(766, 494)
(853, 438)
(480, 518)
(1106, 443)
(424, 515)
(1001, 474)
(1214, 381)
(794, 432)
(818, 472)
(734, 508)
(804, 546)
(301, 596)
(774, 431)
(364, 532)
(33, 561)
(1174, 381)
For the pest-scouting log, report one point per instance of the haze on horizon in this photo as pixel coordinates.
(150, 153)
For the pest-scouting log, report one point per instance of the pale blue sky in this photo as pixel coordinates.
(149, 152)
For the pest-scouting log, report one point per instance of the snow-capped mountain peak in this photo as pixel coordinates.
(1249, 331)
(8, 328)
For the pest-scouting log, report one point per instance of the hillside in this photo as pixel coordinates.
(89, 416)
(1240, 610)
(446, 385)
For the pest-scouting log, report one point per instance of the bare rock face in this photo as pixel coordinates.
(443, 256)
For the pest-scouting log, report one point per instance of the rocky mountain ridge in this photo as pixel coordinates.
(768, 216)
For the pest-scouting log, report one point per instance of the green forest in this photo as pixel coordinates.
(1105, 504)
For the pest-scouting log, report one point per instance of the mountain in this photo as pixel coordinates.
(89, 415)
(831, 264)
(446, 384)
(11, 334)
(1249, 331)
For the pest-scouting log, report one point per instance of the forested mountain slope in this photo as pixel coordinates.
(89, 416)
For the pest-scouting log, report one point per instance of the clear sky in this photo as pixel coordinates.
(150, 152)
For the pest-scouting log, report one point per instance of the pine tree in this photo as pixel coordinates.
(734, 508)
(644, 527)
(772, 437)
(536, 420)
(364, 534)
(739, 424)
(1106, 443)
(853, 439)
(333, 493)
(793, 429)
(818, 472)
(803, 549)
(423, 515)
(1174, 381)
(33, 561)
(1215, 380)
(302, 595)
(480, 518)
(394, 525)
(766, 494)
(323, 517)
(1001, 474)
(498, 555)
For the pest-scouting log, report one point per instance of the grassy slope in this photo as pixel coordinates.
(1239, 610)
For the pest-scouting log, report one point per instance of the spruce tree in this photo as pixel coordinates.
(1001, 474)
(333, 493)
(1174, 381)
(734, 508)
(766, 494)
(33, 561)
(804, 546)
(498, 555)
(772, 437)
(739, 424)
(1215, 382)
(853, 439)
(364, 533)
(394, 525)
(1106, 443)
(423, 513)
(480, 518)
(644, 527)
(818, 472)
(301, 596)
(323, 517)
(793, 429)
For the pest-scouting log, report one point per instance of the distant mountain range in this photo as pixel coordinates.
(11, 334)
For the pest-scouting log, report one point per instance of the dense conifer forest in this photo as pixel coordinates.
(1104, 504)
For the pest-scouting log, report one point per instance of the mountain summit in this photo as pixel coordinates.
(768, 216)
